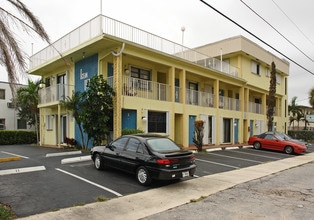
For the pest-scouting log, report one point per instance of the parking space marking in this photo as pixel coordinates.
(240, 152)
(63, 153)
(14, 154)
(75, 159)
(22, 170)
(90, 182)
(237, 158)
(221, 164)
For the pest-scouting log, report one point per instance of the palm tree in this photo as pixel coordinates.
(294, 109)
(74, 104)
(26, 102)
(272, 98)
(311, 101)
(11, 54)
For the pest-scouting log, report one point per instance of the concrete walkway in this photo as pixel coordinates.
(143, 204)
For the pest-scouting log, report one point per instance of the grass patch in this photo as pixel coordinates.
(199, 199)
(79, 204)
(6, 212)
(101, 199)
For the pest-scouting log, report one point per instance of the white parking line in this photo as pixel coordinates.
(63, 153)
(240, 152)
(75, 159)
(237, 158)
(22, 170)
(90, 182)
(221, 164)
(14, 154)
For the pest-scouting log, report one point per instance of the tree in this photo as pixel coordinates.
(26, 102)
(97, 110)
(198, 134)
(294, 109)
(11, 55)
(74, 104)
(311, 100)
(272, 98)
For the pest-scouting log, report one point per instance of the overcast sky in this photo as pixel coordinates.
(292, 19)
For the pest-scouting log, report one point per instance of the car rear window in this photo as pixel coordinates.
(162, 145)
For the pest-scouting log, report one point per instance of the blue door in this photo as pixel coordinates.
(128, 119)
(191, 128)
(236, 130)
(251, 127)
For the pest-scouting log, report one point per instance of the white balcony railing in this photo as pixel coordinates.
(145, 89)
(194, 97)
(229, 103)
(54, 93)
(255, 108)
(105, 25)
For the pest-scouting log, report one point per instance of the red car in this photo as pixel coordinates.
(273, 141)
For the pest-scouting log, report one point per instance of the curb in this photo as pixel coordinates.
(76, 159)
(7, 159)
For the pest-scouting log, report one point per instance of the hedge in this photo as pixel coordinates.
(17, 137)
(304, 135)
(131, 131)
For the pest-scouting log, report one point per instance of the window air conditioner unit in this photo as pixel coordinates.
(10, 105)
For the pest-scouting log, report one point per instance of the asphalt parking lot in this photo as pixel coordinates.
(47, 179)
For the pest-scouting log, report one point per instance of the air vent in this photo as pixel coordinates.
(10, 105)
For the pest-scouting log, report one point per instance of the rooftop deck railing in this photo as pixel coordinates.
(105, 25)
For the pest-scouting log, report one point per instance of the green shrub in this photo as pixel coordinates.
(304, 135)
(6, 212)
(131, 131)
(17, 137)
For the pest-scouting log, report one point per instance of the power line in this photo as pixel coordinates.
(293, 22)
(276, 30)
(257, 37)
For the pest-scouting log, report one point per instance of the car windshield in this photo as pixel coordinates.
(162, 145)
(285, 136)
(280, 137)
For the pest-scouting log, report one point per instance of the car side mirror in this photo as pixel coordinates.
(111, 147)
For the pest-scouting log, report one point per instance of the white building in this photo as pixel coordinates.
(9, 119)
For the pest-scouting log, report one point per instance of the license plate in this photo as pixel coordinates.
(185, 173)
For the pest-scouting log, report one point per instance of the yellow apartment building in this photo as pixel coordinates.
(161, 86)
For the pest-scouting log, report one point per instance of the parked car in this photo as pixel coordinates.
(149, 157)
(274, 141)
(288, 138)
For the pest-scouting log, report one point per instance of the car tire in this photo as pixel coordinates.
(257, 145)
(289, 150)
(143, 176)
(98, 163)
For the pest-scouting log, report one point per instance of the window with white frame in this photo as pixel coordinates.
(2, 93)
(278, 78)
(267, 72)
(255, 68)
(143, 76)
(21, 124)
(157, 122)
(49, 122)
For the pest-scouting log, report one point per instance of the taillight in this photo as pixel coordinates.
(192, 158)
(167, 161)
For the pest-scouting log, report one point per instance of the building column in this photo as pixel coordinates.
(242, 99)
(117, 104)
(59, 126)
(264, 104)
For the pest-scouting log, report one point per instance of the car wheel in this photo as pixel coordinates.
(143, 176)
(257, 145)
(98, 162)
(288, 150)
